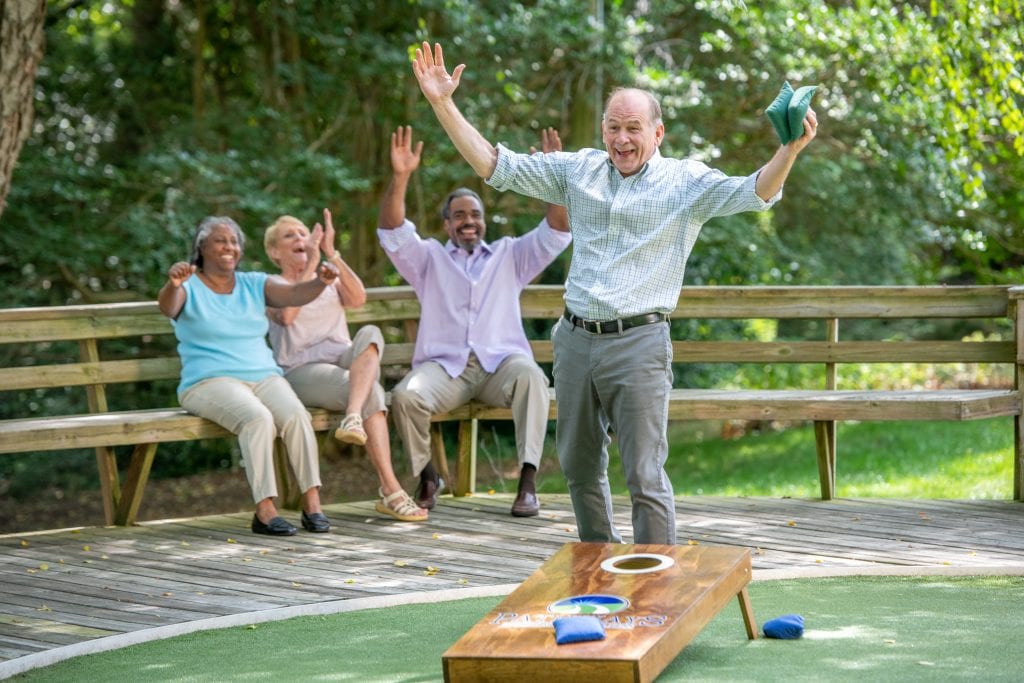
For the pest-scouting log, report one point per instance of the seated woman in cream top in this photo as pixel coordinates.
(325, 366)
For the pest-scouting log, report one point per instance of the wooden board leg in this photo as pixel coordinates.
(748, 613)
(135, 483)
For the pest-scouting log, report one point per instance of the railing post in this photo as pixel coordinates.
(438, 456)
(465, 463)
(1016, 295)
(825, 430)
(106, 458)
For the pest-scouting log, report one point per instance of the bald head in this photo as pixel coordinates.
(652, 101)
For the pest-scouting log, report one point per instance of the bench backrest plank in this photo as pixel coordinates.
(827, 352)
(393, 305)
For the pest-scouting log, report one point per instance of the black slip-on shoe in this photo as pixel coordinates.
(275, 527)
(316, 522)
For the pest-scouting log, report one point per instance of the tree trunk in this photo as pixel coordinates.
(21, 49)
(198, 67)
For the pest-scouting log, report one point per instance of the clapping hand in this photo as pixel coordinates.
(313, 242)
(327, 233)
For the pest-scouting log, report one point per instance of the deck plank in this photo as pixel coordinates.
(65, 587)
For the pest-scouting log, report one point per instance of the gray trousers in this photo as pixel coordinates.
(622, 382)
(518, 383)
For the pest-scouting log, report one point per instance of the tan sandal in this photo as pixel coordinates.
(400, 506)
(351, 430)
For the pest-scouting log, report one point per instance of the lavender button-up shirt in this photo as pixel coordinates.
(470, 302)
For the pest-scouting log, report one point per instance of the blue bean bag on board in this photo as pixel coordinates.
(578, 629)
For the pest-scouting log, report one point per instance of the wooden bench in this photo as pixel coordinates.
(43, 365)
(60, 348)
(978, 306)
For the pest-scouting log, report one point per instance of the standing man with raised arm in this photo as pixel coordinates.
(470, 343)
(635, 216)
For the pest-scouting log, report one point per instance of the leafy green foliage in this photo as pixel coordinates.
(150, 115)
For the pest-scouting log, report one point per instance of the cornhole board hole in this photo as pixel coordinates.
(652, 600)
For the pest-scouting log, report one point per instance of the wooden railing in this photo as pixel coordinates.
(30, 335)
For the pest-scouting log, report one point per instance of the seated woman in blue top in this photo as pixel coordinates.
(228, 373)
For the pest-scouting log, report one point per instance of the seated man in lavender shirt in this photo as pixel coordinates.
(470, 343)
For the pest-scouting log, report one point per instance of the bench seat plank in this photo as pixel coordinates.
(160, 425)
(689, 404)
(120, 428)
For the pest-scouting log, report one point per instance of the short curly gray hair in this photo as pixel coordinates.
(203, 231)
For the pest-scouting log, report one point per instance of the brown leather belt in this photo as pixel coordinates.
(618, 325)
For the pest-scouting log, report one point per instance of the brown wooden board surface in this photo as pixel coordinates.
(649, 614)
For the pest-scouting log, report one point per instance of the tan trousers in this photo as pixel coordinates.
(326, 385)
(258, 412)
(518, 383)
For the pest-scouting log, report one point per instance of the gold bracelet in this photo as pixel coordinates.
(334, 257)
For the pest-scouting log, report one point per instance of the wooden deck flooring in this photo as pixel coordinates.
(62, 590)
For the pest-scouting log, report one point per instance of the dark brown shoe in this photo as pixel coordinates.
(526, 505)
(426, 492)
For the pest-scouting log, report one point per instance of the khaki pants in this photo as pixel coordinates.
(518, 383)
(258, 412)
(326, 385)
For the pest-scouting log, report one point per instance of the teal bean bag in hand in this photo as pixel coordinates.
(788, 109)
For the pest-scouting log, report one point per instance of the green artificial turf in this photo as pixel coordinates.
(857, 629)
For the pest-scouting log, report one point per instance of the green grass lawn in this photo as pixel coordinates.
(960, 460)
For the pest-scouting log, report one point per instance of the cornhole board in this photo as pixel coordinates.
(652, 599)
